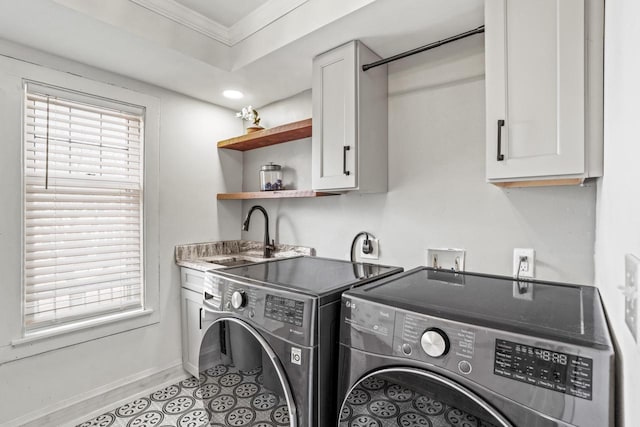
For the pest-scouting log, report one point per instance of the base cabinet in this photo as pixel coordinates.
(543, 89)
(191, 310)
(349, 142)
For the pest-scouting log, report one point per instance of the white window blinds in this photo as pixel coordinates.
(83, 182)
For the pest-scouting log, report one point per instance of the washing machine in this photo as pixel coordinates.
(438, 348)
(269, 353)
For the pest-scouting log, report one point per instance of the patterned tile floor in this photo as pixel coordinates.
(222, 396)
(379, 403)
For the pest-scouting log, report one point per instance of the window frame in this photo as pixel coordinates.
(13, 342)
(34, 89)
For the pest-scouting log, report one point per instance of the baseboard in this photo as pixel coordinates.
(80, 408)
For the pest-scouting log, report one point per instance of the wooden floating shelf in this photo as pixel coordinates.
(540, 183)
(284, 194)
(267, 137)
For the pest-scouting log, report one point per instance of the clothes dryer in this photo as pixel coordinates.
(438, 348)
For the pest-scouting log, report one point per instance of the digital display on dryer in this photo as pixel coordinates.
(284, 310)
(561, 372)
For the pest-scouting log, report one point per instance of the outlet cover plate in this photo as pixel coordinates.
(631, 283)
(445, 258)
(523, 290)
(529, 271)
(375, 253)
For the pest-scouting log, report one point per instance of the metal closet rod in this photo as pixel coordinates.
(429, 46)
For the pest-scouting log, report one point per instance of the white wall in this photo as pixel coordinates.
(191, 172)
(437, 195)
(618, 205)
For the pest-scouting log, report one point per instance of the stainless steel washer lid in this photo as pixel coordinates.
(571, 313)
(311, 275)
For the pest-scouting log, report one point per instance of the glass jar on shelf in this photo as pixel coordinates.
(271, 177)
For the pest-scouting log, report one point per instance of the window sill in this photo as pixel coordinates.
(54, 339)
(62, 330)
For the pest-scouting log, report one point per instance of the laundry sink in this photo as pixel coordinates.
(233, 261)
(232, 253)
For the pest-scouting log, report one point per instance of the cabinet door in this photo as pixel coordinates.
(191, 330)
(535, 71)
(334, 147)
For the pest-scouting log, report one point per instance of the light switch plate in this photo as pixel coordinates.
(631, 282)
(446, 259)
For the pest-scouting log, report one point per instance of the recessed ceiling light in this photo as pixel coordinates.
(232, 94)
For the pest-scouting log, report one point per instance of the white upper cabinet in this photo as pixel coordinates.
(349, 143)
(543, 90)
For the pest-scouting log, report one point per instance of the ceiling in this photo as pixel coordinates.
(225, 12)
(263, 48)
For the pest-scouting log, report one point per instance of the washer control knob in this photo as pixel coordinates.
(238, 299)
(434, 342)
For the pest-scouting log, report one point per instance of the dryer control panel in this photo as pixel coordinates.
(381, 329)
(436, 341)
(554, 370)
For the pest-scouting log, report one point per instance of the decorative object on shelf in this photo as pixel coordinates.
(250, 115)
(271, 177)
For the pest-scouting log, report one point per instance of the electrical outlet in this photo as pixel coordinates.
(446, 259)
(631, 283)
(522, 290)
(375, 250)
(526, 267)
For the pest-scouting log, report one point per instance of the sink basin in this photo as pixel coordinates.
(233, 261)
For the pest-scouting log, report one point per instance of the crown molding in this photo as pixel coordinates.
(182, 15)
(248, 25)
(261, 17)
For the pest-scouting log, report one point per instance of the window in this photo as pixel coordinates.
(83, 207)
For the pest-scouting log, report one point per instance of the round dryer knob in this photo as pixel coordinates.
(434, 342)
(238, 299)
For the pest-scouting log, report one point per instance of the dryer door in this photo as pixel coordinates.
(242, 381)
(412, 397)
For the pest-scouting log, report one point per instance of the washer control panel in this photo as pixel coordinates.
(554, 370)
(284, 309)
(286, 314)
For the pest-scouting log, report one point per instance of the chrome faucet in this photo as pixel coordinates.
(269, 245)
